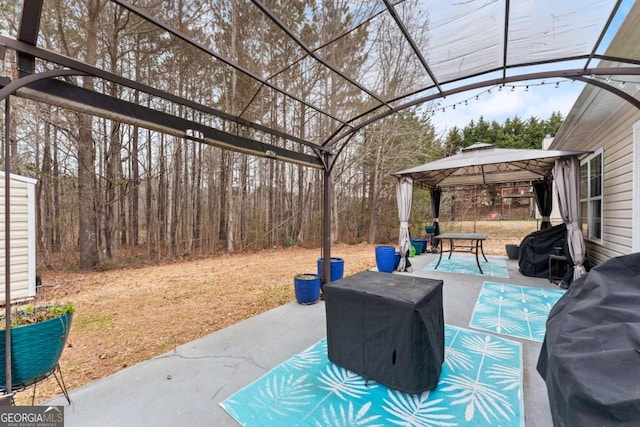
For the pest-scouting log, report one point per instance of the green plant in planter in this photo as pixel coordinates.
(305, 276)
(30, 314)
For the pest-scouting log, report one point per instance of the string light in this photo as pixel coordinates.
(526, 87)
(611, 80)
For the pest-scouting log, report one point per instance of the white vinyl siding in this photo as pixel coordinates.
(635, 211)
(615, 137)
(22, 228)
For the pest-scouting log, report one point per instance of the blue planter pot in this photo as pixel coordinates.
(307, 288)
(337, 268)
(385, 258)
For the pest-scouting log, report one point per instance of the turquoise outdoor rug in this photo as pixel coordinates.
(480, 385)
(517, 311)
(467, 265)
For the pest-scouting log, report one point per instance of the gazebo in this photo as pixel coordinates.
(484, 164)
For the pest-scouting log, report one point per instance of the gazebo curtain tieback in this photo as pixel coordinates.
(404, 224)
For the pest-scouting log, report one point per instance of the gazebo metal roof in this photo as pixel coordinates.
(445, 48)
(483, 164)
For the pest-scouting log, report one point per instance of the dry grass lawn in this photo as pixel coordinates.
(129, 315)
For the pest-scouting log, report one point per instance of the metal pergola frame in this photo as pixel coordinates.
(48, 88)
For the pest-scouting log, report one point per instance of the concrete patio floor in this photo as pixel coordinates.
(184, 387)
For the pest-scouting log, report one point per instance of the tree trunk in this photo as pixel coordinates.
(134, 233)
(88, 239)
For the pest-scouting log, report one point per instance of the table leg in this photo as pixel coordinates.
(440, 257)
(450, 248)
(482, 250)
(479, 244)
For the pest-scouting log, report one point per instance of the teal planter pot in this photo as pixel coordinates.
(35, 350)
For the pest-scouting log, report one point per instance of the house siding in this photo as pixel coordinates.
(615, 136)
(22, 228)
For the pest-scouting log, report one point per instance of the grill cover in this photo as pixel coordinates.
(388, 328)
(535, 248)
(590, 358)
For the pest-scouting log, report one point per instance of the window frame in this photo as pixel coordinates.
(591, 226)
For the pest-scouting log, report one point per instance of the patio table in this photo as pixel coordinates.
(474, 245)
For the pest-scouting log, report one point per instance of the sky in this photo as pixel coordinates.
(540, 101)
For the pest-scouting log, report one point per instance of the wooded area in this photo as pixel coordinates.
(104, 186)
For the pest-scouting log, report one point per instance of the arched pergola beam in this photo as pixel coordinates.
(32, 78)
(572, 74)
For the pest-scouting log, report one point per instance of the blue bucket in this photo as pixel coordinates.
(385, 258)
(396, 261)
(337, 268)
(307, 287)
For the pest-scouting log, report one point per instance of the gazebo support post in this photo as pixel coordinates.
(326, 219)
(7, 398)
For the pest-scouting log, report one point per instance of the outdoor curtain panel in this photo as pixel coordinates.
(566, 173)
(436, 194)
(404, 190)
(544, 201)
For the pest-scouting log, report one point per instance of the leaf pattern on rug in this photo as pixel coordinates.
(343, 383)
(282, 395)
(467, 265)
(341, 417)
(416, 410)
(480, 385)
(517, 311)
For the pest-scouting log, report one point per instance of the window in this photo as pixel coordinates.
(591, 177)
